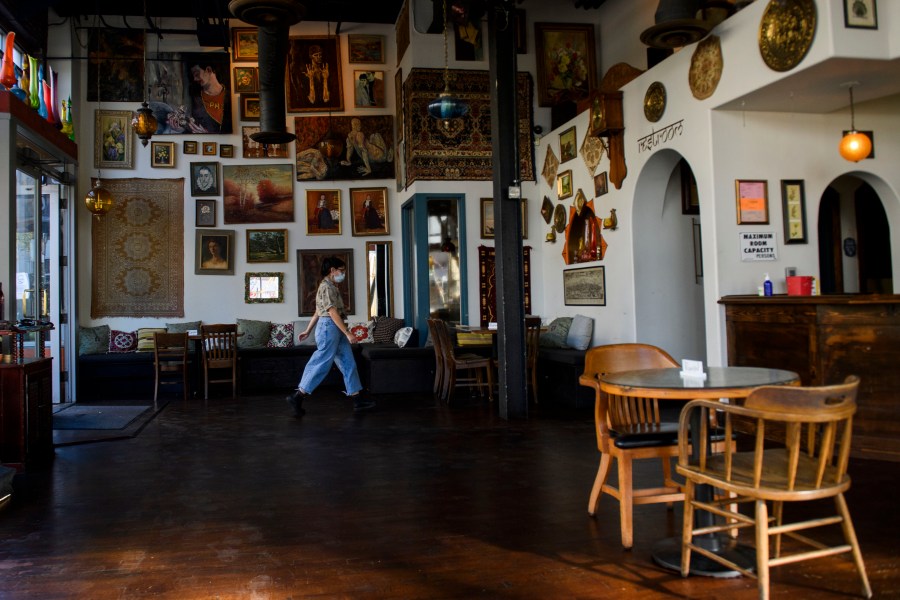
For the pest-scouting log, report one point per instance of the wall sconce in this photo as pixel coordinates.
(854, 146)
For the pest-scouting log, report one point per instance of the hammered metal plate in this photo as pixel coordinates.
(786, 32)
(706, 67)
(655, 102)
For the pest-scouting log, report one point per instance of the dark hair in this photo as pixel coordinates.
(332, 262)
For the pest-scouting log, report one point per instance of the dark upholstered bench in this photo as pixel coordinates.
(387, 369)
(125, 375)
(558, 373)
(269, 369)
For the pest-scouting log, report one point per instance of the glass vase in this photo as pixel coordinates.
(8, 68)
(34, 93)
(54, 98)
(42, 104)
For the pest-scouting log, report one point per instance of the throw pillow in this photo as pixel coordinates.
(557, 333)
(300, 327)
(281, 336)
(183, 327)
(362, 331)
(122, 341)
(252, 334)
(146, 342)
(93, 340)
(385, 329)
(402, 336)
(581, 332)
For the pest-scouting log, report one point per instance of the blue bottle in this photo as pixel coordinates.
(767, 286)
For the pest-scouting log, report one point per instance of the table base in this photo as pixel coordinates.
(667, 554)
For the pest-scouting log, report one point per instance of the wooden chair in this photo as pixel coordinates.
(479, 367)
(438, 360)
(629, 429)
(800, 453)
(532, 345)
(219, 344)
(170, 362)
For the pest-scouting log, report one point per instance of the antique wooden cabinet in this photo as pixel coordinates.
(824, 339)
(26, 412)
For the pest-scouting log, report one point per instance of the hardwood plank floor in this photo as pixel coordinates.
(235, 499)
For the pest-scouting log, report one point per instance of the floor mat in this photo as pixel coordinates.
(97, 417)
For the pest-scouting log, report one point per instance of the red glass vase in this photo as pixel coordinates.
(8, 69)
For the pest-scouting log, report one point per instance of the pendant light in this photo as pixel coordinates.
(98, 200)
(447, 106)
(854, 146)
(143, 122)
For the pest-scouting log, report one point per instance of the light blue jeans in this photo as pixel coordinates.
(332, 347)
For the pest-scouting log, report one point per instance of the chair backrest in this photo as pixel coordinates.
(442, 341)
(170, 347)
(219, 342)
(532, 340)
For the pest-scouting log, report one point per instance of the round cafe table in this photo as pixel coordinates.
(721, 382)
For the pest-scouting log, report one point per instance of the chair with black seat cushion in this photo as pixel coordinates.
(630, 429)
(170, 362)
(800, 451)
(478, 369)
(219, 343)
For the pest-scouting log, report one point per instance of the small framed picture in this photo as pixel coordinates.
(366, 48)
(249, 107)
(204, 179)
(189, 147)
(487, 218)
(246, 80)
(564, 185)
(368, 89)
(263, 288)
(568, 147)
(370, 211)
(162, 154)
(244, 44)
(323, 212)
(253, 149)
(113, 140)
(226, 150)
(860, 13)
(601, 184)
(793, 203)
(206, 213)
(209, 148)
(214, 252)
(267, 245)
(585, 286)
(752, 197)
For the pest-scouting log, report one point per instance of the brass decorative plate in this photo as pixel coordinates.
(655, 102)
(706, 68)
(786, 32)
(559, 218)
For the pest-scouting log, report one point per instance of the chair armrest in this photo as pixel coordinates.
(589, 381)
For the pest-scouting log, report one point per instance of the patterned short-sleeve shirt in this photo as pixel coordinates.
(327, 296)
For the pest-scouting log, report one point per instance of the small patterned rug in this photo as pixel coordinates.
(487, 279)
(78, 416)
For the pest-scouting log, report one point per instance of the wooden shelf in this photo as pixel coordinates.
(16, 108)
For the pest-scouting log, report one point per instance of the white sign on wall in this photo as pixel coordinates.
(758, 246)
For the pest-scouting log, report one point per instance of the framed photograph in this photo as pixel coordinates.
(690, 200)
(585, 286)
(226, 151)
(214, 252)
(860, 13)
(253, 149)
(206, 213)
(368, 89)
(263, 288)
(752, 197)
(267, 245)
(113, 141)
(189, 147)
(204, 179)
(209, 148)
(309, 266)
(323, 212)
(244, 45)
(793, 203)
(314, 82)
(566, 68)
(487, 218)
(369, 209)
(258, 193)
(568, 148)
(366, 49)
(246, 80)
(250, 107)
(601, 184)
(162, 154)
(564, 185)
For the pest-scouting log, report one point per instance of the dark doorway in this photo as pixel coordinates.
(874, 243)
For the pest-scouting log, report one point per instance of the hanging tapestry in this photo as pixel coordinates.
(487, 287)
(138, 250)
(460, 149)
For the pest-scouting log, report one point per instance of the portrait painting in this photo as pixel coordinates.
(189, 92)
(314, 81)
(369, 211)
(258, 193)
(246, 80)
(253, 149)
(323, 212)
(566, 67)
(214, 252)
(204, 179)
(113, 141)
(366, 48)
(368, 148)
(266, 245)
(244, 44)
(368, 89)
(250, 107)
(115, 65)
(309, 269)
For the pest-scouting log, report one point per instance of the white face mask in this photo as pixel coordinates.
(339, 277)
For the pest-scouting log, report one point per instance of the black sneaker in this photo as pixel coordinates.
(296, 401)
(363, 404)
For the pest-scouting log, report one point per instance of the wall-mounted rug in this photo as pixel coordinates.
(487, 280)
(460, 148)
(138, 250)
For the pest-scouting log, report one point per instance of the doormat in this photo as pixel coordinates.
(97, 417)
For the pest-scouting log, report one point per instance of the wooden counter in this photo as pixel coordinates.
(824, 339)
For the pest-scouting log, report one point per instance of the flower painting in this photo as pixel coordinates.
(566, 67)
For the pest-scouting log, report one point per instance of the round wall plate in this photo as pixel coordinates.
(786, 32)
(706, 68)
(655, 102)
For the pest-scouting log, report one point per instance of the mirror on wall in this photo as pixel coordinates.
(379, 280)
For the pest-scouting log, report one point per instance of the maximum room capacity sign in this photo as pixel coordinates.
(758, 246)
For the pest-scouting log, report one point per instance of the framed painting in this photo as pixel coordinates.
(585, 286)
(267, 245)
(244, 44)
(204, 179)
(214, 253)
(793, 203)
(253, 149)
(601, 184)
(369, 211)
(189, 147)
(263, 288)
(323, 212)
(752, 197)
(369, 153)
(209, 148)
(115, 65)
(568, 147)
(113, 141)
(226, 151)
(309, 266)
(246, 80)
(860, 13)
(566, 67)
(487, 218)
(250, 107)
(314, 80)
(398, 103)
(564, 185)
(366, 49)
(401, 31)
(690, 199)
(162, 154)
(258, 193)
(206, 213)
(191, 92)
(368, 89)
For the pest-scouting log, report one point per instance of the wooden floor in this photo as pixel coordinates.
(235, 499)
